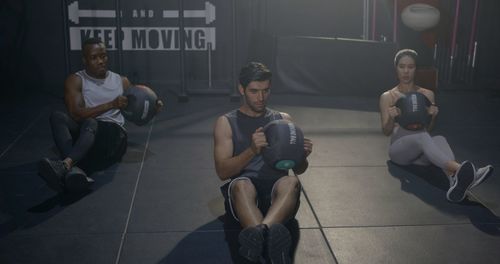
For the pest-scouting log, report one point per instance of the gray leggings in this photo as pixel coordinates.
(421, 149)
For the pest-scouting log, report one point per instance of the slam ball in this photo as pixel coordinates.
(141, 107)
(414, 115)
(285, 148)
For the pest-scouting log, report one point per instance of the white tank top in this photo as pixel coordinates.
(100, 91)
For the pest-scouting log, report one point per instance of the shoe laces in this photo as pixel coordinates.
(482, 170)
(453, 179)
(60, 166)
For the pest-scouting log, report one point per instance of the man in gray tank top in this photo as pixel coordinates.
(260, 197)
(91, 134)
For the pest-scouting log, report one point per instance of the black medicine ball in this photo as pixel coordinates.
(141, 106)
(285, 148)
(413, 108)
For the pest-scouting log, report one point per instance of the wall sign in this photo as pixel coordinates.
(142, 38)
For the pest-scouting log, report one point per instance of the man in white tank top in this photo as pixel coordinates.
(92, 132)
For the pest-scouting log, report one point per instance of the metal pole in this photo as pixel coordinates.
(118, 35)
(374, 19)
(474, 56)
(209, 51)
(395, 23)
(365, 19)
(473, 31)
(66, 36)
(454, 39)
(182, 46)
(434, 56)
(235, 95)
(472, 46)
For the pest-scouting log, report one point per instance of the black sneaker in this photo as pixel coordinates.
(53, 172)
(279, 242)
(76, 180)
(460, 182)
(252, 242)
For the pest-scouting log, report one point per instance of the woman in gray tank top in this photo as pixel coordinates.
(419, 147)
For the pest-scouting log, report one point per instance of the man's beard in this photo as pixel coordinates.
(254, 108)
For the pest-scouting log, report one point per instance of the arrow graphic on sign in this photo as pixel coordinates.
(208, 13)
(74, 13)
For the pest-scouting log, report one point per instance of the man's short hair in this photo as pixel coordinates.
(91, 41)
(254, 71)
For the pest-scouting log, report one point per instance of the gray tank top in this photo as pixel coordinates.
(242, 127)
(100, 91)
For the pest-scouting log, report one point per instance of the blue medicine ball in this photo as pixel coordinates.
(141, 106)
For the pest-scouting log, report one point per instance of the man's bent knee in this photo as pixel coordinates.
(242, 186)
(58, 117)
(90, 125)
(290, 183)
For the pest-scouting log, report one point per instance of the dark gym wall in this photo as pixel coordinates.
(32, 50)
(488, 72)
(268, 20)
(317, 47)
(318, 18)
(31, 47)
(460, 74)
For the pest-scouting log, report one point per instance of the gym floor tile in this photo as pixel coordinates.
(375, 196)
(370, 210)
(212, 247)
(415, 244)
(312, 248)
(195, 200)
(67, 248)
(478, 144)
(349, 148)
(488, 193)
(176, 200)
(178, 247)
(317, 120)
(305, 216)
(32, 208)
(178, 153)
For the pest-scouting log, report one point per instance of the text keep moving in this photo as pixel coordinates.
(146, 38)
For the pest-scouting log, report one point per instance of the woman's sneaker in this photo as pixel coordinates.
(460, 182)
(481, 174)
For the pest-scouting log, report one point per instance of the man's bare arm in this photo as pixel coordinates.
(225, 164)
